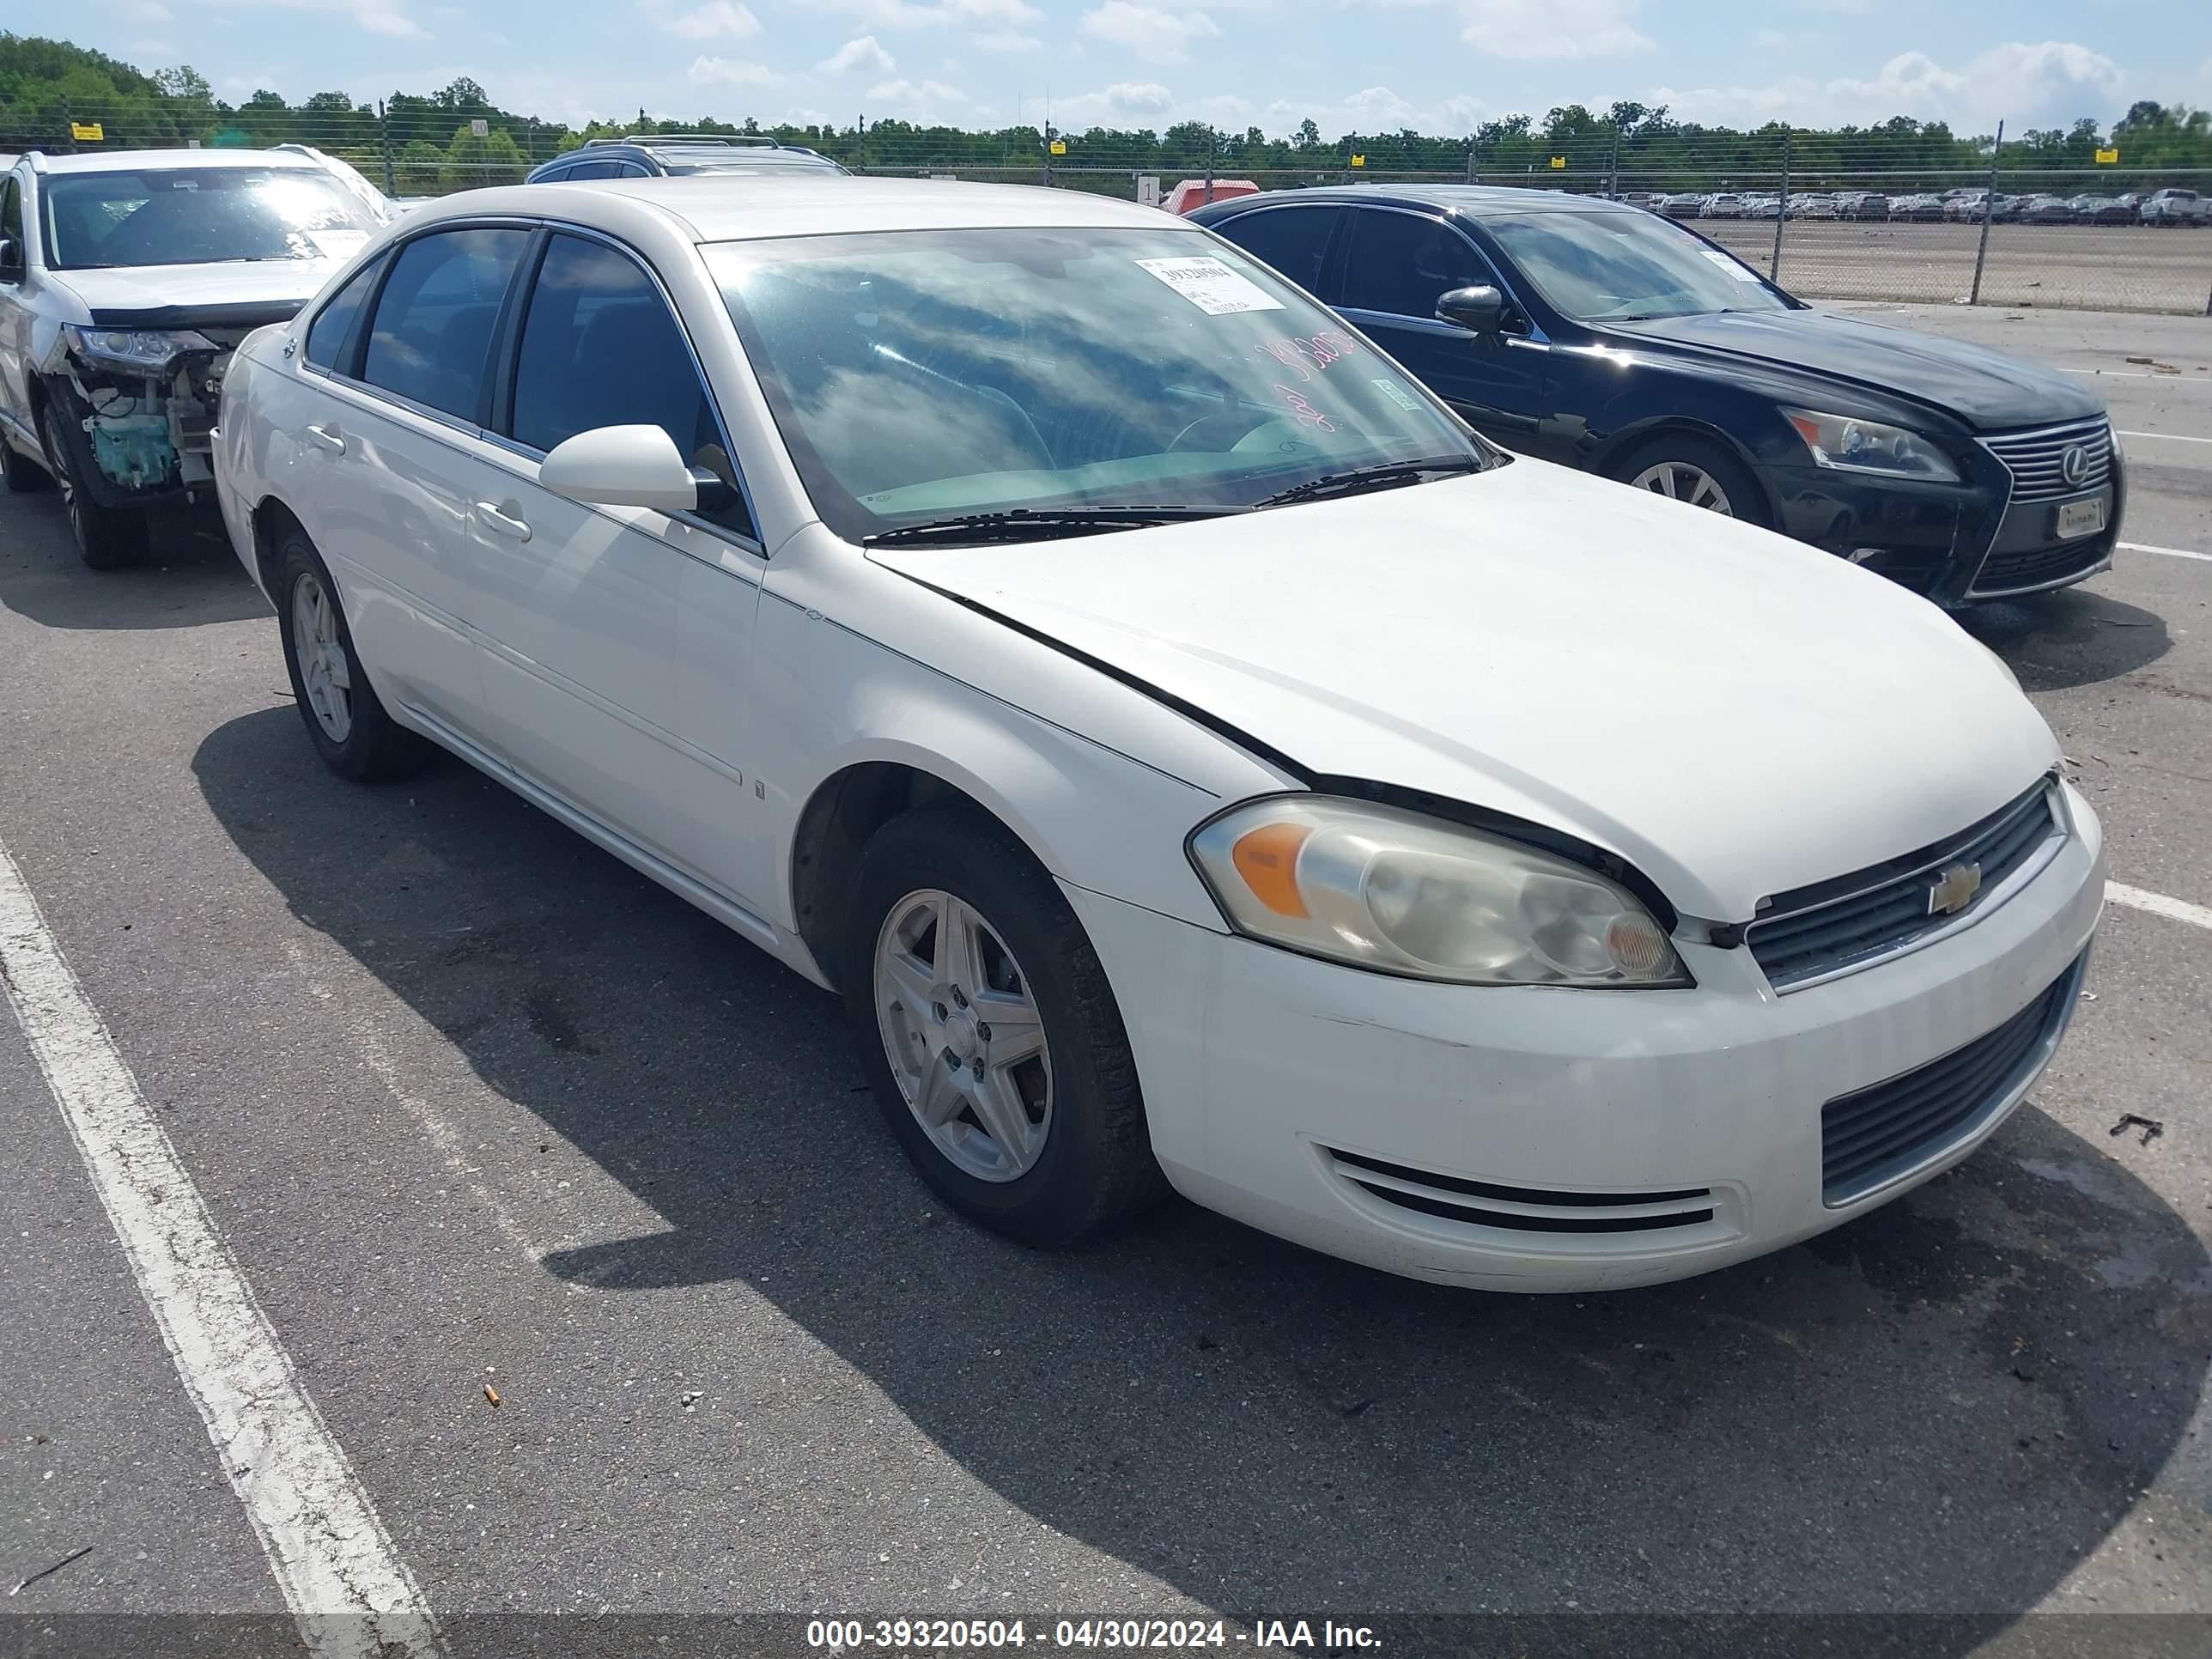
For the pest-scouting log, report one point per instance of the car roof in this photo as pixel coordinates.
(1472, 200)
(726, 207)
(134, 160)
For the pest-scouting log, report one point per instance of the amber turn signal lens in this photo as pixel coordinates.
(1268, 858)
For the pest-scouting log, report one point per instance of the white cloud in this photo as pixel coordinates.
(1125, 101)
(913, 92)
(1553, 28)
(937, 14)
(2025, 85)
(149, 11)
(730, 72)
(716, 20)
(375, 16)
(862, 56)
(1005, 40)
(1147, 31)
(1377, 110)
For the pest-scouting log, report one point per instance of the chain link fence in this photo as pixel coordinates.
(1829, 216)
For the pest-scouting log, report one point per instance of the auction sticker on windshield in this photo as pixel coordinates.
(1735, 268)
(1211, 285)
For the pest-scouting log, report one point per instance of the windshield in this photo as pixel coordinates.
(921, 376)
(197, 216)
(1627, 267)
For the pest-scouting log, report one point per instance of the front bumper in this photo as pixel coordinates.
(1958, 543)
(1333, 1107)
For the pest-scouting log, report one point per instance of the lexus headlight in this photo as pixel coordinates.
(1856, 446)
(1405, 894)
(144, 350)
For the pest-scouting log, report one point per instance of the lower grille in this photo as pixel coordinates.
(2002, 572)
(2037, 460)
(1523, 1209)
(1867, 1136)
(1817, 931)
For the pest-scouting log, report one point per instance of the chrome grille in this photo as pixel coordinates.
(1816, 932)
(1869, 1137)
(2036, 459)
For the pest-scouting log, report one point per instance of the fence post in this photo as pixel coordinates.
(1209, 164)
(1470, 161)
(384, 140)
(1781, 213)
(68, 128)
(1989, 208)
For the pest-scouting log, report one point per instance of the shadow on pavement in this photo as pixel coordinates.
(1943, 1407)
(190, 575)
(2068, 637)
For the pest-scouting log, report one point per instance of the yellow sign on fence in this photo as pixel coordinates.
(1359, 161)
(2106, 158)
(1559, 164)
(1059, 146)
(87, 132)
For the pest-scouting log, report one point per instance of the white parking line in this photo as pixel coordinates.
(2165, 437)
(2167, 552)
(2159, 905)
(345, 1583)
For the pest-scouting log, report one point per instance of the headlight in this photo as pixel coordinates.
(1405, 894)
(142, 350)
(1856, 446)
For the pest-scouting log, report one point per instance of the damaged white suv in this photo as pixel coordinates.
(125, 280)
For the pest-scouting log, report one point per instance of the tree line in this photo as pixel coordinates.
(428, 144)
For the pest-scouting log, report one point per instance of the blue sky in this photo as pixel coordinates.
(1437, 65)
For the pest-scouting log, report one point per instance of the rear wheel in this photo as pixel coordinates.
(108, 538)
(345, 720)
(1695, 470)
(989, 1034)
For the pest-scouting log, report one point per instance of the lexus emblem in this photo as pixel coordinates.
(1954, 889)
(2074, 464)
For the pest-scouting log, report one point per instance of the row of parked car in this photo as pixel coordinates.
(1305, 703)
(2165, 208)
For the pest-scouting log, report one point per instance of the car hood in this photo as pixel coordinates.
(176, 296)
(1986, 389)
(1735, 714)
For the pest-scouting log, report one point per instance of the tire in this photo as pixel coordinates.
(108, 538)
(348, 724)
(1093, 1165)
(1745, 499)
(22, 475)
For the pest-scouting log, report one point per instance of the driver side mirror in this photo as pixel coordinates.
(1480, 311)
(11, 260)
(629, 466)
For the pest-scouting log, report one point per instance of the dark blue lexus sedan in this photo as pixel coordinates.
(1587, 331)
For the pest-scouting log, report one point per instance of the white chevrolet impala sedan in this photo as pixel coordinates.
(1196, 760)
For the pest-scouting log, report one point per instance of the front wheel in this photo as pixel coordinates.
(1697, 471)
(108, 538)
(988, 1033)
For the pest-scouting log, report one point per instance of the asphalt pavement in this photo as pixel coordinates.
(472, 1104)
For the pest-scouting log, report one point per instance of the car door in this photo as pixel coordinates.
(616, 639)
(1297, 239)
(1397, 262)
(383, 487)
(15, 315)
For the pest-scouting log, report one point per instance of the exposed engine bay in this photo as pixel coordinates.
(147, 400)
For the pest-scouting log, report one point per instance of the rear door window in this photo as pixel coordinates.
(1293, 240)
(601, 348)
(595, 170)
(431, 338)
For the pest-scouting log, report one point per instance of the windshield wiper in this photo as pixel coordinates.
(1023, 524)
(1362, 479)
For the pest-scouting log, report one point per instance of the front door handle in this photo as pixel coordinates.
(327, 437)
(505, 524)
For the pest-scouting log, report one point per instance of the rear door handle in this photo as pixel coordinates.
(327, 437)
(504, 524)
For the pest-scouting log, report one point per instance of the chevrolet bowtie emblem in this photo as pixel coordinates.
(1954, 889)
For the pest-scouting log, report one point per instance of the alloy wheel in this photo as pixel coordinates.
(964, 1037)
(324, 674)
(1682, 482)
